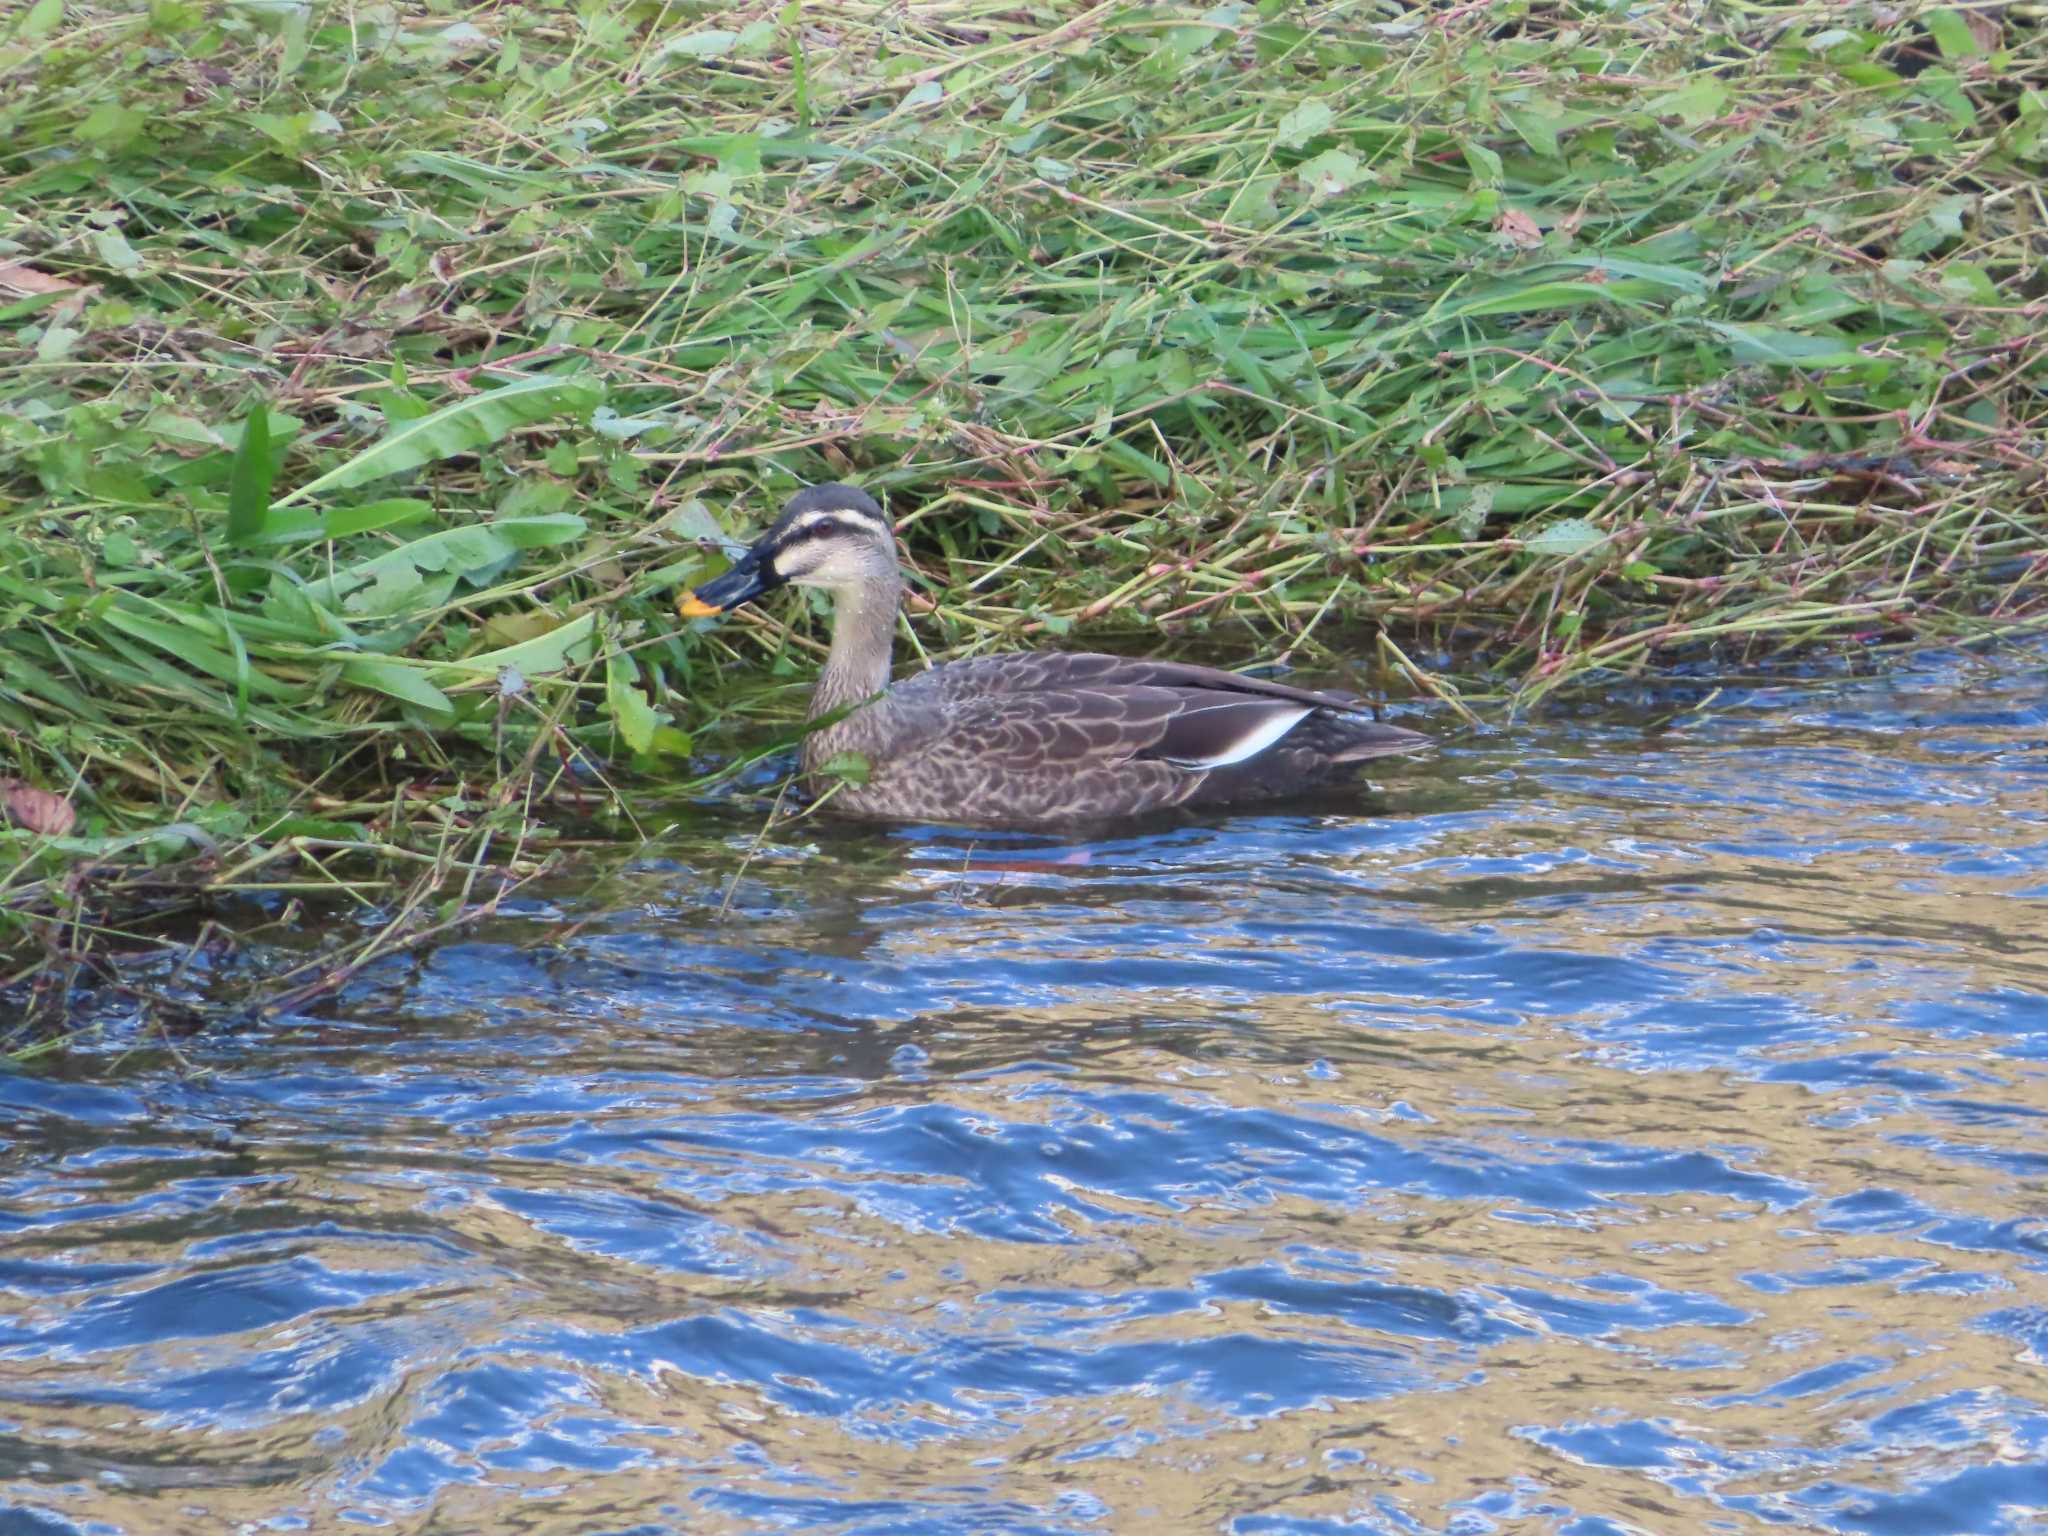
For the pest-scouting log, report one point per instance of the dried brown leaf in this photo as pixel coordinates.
(1518, 229)
(35, 810)
(16, 278)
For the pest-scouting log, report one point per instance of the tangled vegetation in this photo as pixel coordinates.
(372, 374)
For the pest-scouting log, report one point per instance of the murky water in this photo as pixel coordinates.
(1640, 1123)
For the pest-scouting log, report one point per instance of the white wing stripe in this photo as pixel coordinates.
(1251, 744)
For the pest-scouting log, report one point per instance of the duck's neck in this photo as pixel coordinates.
(863, 638)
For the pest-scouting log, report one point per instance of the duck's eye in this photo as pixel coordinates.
(814, 528)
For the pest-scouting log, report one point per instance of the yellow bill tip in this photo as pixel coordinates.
(690, 606)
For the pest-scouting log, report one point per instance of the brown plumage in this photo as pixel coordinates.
(1029, 738)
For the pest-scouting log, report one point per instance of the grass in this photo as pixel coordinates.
(372, 375)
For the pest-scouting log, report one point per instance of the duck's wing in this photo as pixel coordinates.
(1021, 672)
(1075, 729)
(1014, 746)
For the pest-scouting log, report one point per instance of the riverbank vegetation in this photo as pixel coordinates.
(373, 375)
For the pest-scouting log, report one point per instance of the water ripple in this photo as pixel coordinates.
(1635, 1126)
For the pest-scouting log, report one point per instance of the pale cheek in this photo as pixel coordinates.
(831, 573)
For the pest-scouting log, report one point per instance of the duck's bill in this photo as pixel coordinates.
(742, 584)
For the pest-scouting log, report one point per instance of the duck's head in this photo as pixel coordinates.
(831, 536)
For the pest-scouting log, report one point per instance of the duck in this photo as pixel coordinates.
(1023, 740)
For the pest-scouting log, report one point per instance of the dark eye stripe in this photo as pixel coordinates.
(834, 527)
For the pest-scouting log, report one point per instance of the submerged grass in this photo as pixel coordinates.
(372, 374)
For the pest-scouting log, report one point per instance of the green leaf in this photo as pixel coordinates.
(185, 643)
(1694, 105)
(1484, 164)
(1785, 349)
(389, 582)
(1470, 517)
(712, 43)
(398, 680)
(463, 427)
(1663, 274)
(249, 483)
(849, 767)
(341, 522)
(56, 343)
(1304, 123)
(1871, 76)
(42, 18)
(115, 250)
(550, 652)
(304, 525)
(631, 713)
(1572, 536)
(1952, 34)
(287, 133)
(111, 125)
(1531, 296)
(1538, 129)
(1331, 172)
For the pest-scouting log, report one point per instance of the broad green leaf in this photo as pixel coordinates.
(452, 551)
(1871, 76)
(56, 342)
(1538, 130)
(631, 713)
(1515, 301)
(711, 43)
(1941, 87)
(42, 18)
(398, 680)
(1329, 173)
(1662, 273)
(111, 125)
(176, 427)
(1484, 164)
(551, 652)
(463, 427)
(1470, 517)
(1700, 102)
(249, 482)
(1572, 536)
(307, 525)
(1304, 123)
(1952, 34)
(115, 251)
(341, 522)
(1784, 349)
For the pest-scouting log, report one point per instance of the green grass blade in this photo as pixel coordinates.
(249, 481)
(474, 422)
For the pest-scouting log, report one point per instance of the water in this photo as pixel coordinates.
(1640, 1123)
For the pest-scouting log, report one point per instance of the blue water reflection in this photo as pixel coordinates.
(1636, 1124)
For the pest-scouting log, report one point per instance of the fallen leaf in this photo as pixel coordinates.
(1518, 229)
(35, 810)
(15, 278)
